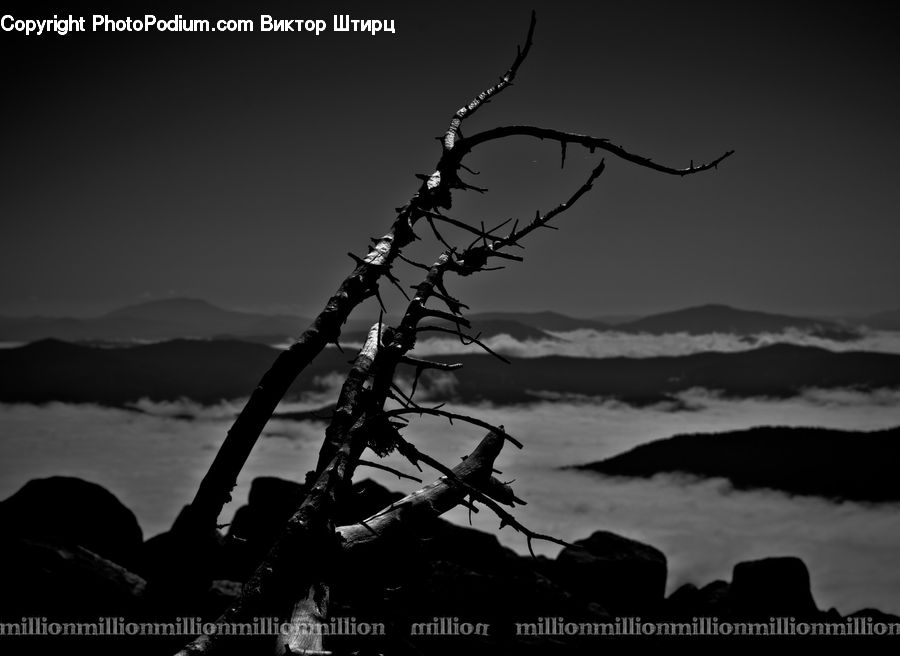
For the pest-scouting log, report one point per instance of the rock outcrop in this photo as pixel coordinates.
(73, 512)
(66, 570)
(623, 575)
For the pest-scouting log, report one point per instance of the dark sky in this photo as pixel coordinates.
(242, 168)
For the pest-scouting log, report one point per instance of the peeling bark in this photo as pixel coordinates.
(308, 612)
(429, 501)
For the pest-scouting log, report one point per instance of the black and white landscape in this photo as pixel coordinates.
(703, 369)
(141, 417)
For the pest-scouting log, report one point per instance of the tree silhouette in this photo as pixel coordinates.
(293, 580)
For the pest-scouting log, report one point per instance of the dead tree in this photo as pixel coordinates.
(292, 582)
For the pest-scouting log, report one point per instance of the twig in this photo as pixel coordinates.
(418, 265)
(465, 339)
(399, 474)
(429, 364)
(452, 134)
(505, 518)
(437, 412)
(589, 142)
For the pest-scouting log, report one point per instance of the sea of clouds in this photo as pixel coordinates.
(587, 343)
(153, 457)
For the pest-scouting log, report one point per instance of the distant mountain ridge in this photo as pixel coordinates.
(209, 371)
(718, 318)
(553, 321)
(192, 318)
(153, 320)
(836, 464)
(697, 320)
(889, 320)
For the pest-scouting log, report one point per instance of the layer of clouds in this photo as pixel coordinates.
(154, 459)
(588, 343)
(327, 389)
(594, 344)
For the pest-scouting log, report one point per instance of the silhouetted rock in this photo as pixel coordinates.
(714, 599)
(772, 587)
(683, 603)
(255, 526)
(876, 615)
(64, 581)
(439, 569)
(456, 572)
(270, 502)
(71, 511)
(449, 589)
(179, 567)
(222, 594)
(624, 576)
(433, 569)
(468, 547)
(689, 601)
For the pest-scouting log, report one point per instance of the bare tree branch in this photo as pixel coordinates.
(430, 501)
(301, 559)
(300, 563)
(428, 364)
(435, 191)
(470, 143)
(411, 452)
(293, 579)
(437, 412)
(542, 220)
(465, 339)
(377, 465)
(452, 134)
(349, 405)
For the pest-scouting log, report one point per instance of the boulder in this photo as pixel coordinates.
(772, 587)
(72, 512)
(683, 603)
(624, 576)
(876, 616)
(255, 527)
(270, 503)
(714, 599)
(450, 590)
(180, 566)
(689, 601)
(222, 594)
(64, 582)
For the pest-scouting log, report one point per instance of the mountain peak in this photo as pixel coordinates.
(175, 304)
(720, 318)
(719, 307)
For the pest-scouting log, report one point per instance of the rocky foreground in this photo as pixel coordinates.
(72, 552)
